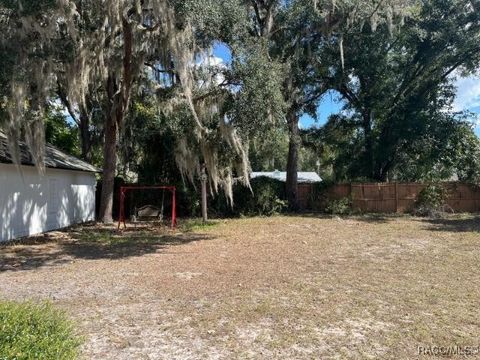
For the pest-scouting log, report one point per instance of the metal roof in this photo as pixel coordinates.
(54, 158)
(302, 176)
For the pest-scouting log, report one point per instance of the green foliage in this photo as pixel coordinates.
(148, 150)
(436, 146)
(447, 149)
(269, 152)
(215, 20)
(60, 133)
(396, 80)
(266, 200)
(318, 197)
(258, 105)
(339, 207)
(431, 200)
(337, 145)
(33, 332)
(267, 197)
(397, 84)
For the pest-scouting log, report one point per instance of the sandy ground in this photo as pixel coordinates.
(261, 288)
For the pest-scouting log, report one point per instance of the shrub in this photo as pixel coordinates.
(266, 198)
(431, 200)
(318, 198)
(267, 202)
(29, 331)
(339, 207)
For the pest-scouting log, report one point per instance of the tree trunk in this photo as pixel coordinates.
(292, 161)
(85, 137)
(381, 174)
(118, 100)
(109, 152)
(109, 167)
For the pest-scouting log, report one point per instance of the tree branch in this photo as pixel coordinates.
(64, 99)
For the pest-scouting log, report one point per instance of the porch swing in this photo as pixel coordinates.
(147, 213)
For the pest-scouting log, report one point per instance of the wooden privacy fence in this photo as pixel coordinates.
(388, 197)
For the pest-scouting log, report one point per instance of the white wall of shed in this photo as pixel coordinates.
(31, 203)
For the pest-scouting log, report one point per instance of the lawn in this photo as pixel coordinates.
(280, 287)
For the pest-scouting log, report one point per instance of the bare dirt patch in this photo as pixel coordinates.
(280, 287)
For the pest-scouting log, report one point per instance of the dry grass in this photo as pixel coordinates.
(280, 287)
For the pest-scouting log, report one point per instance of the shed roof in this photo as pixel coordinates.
(54, 158)
(302, 176)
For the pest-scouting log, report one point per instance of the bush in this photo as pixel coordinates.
(339, 207)
(431, 201)
(29, 331)
(266, 201)
(318, 198)
(266, 198)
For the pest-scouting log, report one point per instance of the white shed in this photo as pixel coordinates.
(31, 203)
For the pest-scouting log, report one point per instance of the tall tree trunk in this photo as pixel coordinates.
(85, 136)
(109, 152)
(118, 93)
(381, 174)
(109, 167)
(292, 161)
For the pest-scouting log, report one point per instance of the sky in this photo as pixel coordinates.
(468, 96)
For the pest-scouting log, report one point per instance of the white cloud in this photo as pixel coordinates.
(468, 93)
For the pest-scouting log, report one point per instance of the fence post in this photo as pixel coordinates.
(396, 197)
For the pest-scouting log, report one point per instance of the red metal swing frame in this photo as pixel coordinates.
(125, 189)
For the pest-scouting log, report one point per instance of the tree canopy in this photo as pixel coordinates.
(124, 69)
(398, 89)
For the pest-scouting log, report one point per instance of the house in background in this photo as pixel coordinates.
(303, 177)
(32, 203)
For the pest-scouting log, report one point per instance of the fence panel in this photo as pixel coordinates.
(393, 197)
(373, 197)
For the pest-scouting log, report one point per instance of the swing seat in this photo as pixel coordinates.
(148, 212)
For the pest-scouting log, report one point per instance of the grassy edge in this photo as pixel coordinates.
(31, 330)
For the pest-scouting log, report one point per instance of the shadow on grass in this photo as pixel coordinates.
(370, 218)
(452, 223)
(90, 243)
(470, 223)
(373, 218)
